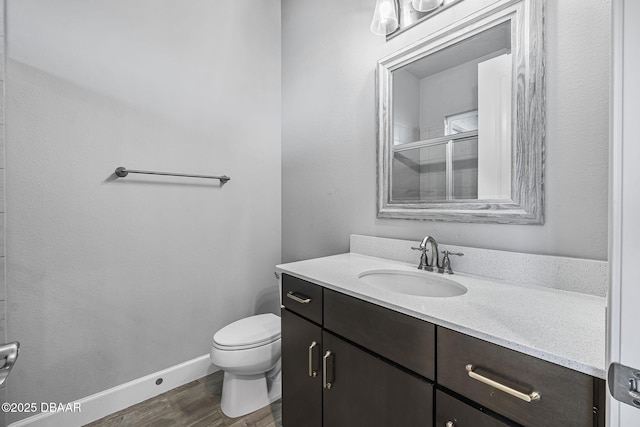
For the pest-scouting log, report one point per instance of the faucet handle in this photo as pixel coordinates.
(446, 252)
(446, 263)
(423, 249)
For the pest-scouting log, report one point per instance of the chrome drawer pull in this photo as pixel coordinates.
(534, 395)
(325, 383)
(312, 372)
(296, 298)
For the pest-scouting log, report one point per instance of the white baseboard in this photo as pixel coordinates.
(106, 402)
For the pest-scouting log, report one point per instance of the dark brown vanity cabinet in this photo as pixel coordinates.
(348, 362)
(328, 380)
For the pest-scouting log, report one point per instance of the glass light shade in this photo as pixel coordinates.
(385, 18)
(426, 5)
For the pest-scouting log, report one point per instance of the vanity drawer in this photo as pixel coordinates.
(459, 414)
(302, 297)
(567, 397)
(405, 340)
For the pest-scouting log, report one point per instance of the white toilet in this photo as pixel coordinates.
(248, 351)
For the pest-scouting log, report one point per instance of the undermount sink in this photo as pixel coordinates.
(417, 283)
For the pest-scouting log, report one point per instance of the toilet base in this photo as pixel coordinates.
(274, 383)
(242, 394)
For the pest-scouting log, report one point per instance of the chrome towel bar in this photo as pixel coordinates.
(122, 172)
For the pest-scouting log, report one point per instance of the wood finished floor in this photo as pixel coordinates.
(194, 404)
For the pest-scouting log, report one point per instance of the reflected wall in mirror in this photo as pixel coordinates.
(461, 121)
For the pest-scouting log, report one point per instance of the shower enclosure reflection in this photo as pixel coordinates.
(452, 122)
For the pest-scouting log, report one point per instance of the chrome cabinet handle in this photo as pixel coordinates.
(312, 372)
(534, 395)
(325, 383)
(296, 298)
(450, 424)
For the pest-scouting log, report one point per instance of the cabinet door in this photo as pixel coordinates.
(367, 391)
(301, 389)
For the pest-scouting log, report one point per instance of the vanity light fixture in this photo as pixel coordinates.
(426, 5)
(393, 16)
(385, 18)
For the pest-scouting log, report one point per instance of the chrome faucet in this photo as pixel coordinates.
(434, 265)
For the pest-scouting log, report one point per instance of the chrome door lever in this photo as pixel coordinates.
(8, 355)
(624, 384)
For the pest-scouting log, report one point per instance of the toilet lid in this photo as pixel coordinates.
(250, 331)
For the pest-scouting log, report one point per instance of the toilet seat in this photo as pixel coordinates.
(250, 332)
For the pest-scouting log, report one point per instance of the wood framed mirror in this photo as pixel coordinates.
(460, 118)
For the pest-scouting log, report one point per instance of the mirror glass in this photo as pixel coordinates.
(452, 121)
(460, 118)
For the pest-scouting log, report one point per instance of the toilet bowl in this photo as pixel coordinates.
(248, 351)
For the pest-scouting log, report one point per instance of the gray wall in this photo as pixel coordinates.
(448, 92)
(406, 107)
(110, 280)
(329, 142)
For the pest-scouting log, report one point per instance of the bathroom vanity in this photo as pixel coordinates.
(499, 355)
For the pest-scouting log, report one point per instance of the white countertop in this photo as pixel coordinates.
(566, 328)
